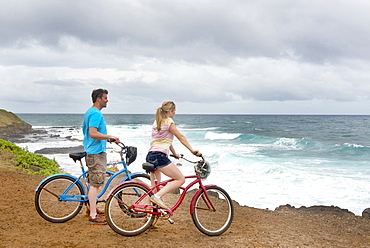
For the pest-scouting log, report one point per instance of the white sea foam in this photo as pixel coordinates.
(220, 136)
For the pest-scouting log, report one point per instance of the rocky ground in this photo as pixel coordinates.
(21, 226)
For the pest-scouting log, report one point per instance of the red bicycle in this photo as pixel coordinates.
(129, 211)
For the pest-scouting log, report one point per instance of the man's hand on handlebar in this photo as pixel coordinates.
(114, 139)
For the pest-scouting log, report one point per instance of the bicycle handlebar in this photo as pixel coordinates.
(120, 144)
(202, 167)
(182, 156)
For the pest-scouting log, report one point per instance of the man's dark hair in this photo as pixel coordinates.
(98, 93)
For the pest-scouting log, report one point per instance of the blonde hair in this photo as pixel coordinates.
(162, 111)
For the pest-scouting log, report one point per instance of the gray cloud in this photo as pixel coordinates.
(315, 31)
(58, 83)
(224, 54)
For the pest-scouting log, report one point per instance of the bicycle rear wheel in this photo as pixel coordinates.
(50, 206)
(119, 214)
(209, 221)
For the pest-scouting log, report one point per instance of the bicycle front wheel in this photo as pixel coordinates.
(213, 217)
(120, 215)
(50, 206)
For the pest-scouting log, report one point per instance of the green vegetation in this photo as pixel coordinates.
(25, 160)
(7, 118)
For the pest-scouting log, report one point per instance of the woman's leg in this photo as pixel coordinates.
(173, 172)
(155, 176)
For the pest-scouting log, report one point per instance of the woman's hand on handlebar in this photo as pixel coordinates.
(175, 155)
(197, 153)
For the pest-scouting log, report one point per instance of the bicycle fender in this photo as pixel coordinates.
(122, 183)
(195, 195)
(132, 174)
(60, 174)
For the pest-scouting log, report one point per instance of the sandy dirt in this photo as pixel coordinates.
(21, 226)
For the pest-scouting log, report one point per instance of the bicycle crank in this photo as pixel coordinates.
(166, 216)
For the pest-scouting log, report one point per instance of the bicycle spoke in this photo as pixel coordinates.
(213, 214)
(121, 217)
(48, 202)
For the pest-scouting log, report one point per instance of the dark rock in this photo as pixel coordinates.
(317, 209)
(59, 150)
(286, 207)
(366, 213)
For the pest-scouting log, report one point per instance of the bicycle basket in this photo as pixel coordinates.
(131, 154)
(203, 169)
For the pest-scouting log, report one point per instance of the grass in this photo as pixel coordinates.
(8, 118)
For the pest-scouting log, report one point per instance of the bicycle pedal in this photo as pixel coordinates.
(171, 221)
(163, 213)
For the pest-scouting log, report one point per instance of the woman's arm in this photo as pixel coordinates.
(174, 153)
(173, 129)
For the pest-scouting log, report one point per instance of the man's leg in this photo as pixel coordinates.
(93, 193)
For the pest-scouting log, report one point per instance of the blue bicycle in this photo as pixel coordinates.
(60, 197)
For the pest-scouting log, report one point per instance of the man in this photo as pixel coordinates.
(95, 140)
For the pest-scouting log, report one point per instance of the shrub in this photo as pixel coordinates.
(24, 159)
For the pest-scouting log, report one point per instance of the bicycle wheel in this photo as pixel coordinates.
(119, 214)
(144, 178)
(48, 203)
(209, 221)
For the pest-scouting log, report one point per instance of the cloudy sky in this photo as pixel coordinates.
(209, 56)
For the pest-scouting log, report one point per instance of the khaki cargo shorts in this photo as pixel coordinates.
(97, 166)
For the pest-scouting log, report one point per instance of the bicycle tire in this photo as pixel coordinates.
(144, 178)
(50, 207)
(211, 222)
(120, 217)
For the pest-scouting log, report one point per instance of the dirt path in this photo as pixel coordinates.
(21, 226)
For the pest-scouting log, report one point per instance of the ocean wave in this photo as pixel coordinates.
(182, 128)
(353, 145)
(296, 144)
(221, 136)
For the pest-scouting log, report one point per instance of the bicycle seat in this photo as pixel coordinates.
(148, 167)
(77, 155)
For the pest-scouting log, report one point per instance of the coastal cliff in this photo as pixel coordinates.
(11, 126)
(14, 158)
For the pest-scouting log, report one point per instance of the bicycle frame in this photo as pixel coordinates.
(144, 208)
(77, 180)
(130, 210)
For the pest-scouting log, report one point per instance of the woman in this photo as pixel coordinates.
(163, 132)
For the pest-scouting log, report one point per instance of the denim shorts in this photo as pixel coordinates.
(158, 159)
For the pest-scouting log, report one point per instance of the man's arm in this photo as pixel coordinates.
(95, 134)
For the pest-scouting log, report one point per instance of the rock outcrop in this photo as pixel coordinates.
(11, 126)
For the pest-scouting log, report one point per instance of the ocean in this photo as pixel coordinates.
(262, 161)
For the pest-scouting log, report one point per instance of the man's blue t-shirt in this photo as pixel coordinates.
(94, 118)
